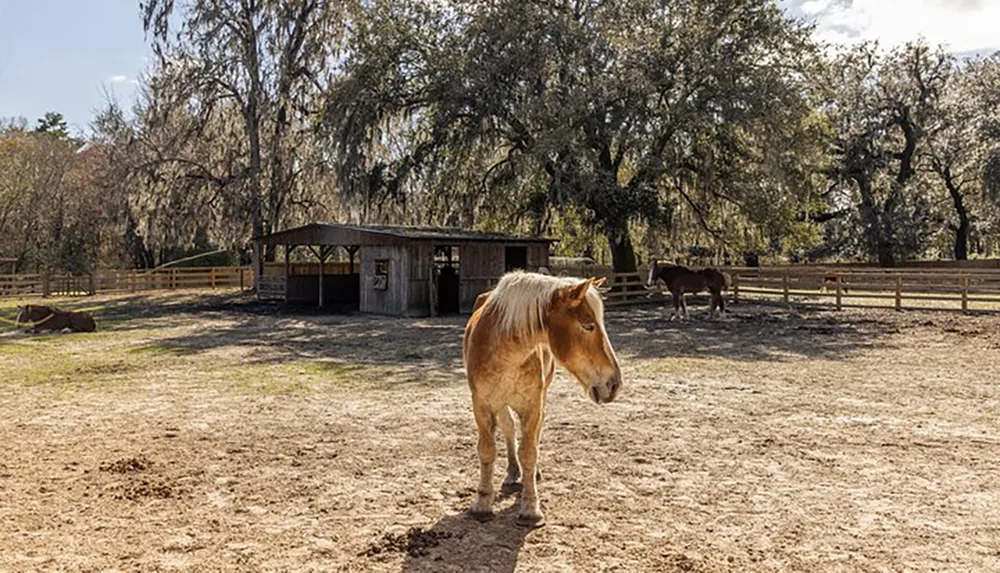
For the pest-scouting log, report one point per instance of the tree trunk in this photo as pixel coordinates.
(875, 242)
(962, 232)
(622, 251)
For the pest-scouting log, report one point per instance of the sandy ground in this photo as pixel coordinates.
(206, 433)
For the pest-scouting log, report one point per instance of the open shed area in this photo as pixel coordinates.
(402, 271)
(201, 433)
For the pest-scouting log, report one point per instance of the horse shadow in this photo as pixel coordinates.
(464, 544)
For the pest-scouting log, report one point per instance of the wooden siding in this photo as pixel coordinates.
(538, 256)
(421, 283)
(392, 301)
(482, 265)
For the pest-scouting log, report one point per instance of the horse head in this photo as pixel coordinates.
(579, 341)
(653, 274)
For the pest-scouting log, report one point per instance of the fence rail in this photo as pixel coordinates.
(836, 287)
(114, 281)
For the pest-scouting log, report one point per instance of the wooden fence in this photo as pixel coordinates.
(834, 287)
(113, 281)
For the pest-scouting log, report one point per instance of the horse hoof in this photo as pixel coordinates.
(528, 520)
(481, 516)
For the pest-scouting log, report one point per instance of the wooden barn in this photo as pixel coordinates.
(402, 271)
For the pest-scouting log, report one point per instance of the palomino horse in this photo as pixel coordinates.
(517, 334)
(680, 279)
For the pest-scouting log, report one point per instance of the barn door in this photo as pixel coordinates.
(515, 258)
(446, 268)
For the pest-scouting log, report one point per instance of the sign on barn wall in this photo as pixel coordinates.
(272, 287)
(380, 280)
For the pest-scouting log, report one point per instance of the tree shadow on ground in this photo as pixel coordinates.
(746, 333)
(275, 333)
(465, 544)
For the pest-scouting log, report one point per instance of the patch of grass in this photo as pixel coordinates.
(66, 369)
(324, 368)
(296, 376)
(163, 349)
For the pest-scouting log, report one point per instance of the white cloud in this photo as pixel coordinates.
(961, 25)
(119, 79)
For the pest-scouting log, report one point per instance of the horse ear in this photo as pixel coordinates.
(577, 292)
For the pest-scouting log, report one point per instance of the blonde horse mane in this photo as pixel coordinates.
(521, 301)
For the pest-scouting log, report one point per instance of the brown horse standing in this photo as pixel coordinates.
(680, 280)
(517, 334)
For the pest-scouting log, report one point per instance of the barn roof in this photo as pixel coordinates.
(344, 234)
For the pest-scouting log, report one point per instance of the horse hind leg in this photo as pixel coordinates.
(512, 483)
(678, 299)
(482, 507)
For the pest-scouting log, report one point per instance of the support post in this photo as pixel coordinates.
(46, 285)
(323, 252)
(90, 284)
(257, 269)
(736, 288)
(840, 292)
(785, 288)
(899, 292)
(351, 251)
(965, 292)
(213, 278)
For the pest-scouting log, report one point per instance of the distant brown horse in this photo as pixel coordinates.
(680, 279)
(830, 282)
(44, 318)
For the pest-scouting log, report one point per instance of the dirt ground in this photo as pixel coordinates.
(210, 433)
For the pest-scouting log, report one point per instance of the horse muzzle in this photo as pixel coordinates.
(608, 391)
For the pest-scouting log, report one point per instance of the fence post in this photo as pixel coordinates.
(46, 285)
(840, 291)
(213, 278)
(241, 279)
(736, 288)
(132, 281)
(785, 286)
(965, 292)
(173, 279)
(899, 292)
(90, 284)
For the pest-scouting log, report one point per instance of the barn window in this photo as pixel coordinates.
(381, 279)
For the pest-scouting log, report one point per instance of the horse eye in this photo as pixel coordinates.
(589, 327)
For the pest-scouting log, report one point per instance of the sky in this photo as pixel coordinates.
(63, 55)
(60, 55)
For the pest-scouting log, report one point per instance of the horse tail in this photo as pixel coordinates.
(727, 280)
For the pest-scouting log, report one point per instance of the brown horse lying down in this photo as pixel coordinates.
(680, 280)
(45, 318)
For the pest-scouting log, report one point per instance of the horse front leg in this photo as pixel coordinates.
(530, 514)
(482, 508)
(676, 296)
